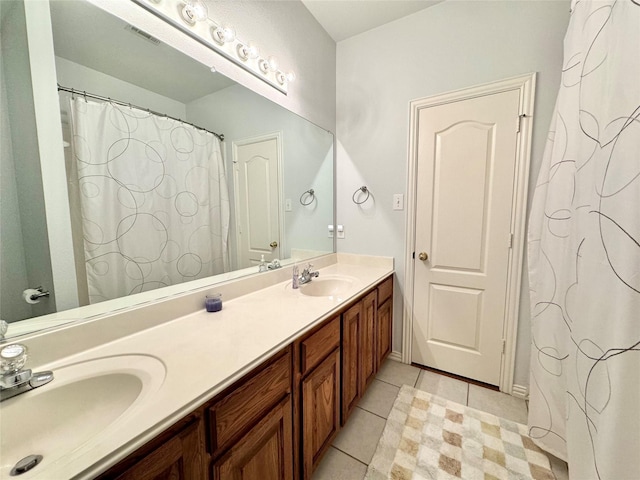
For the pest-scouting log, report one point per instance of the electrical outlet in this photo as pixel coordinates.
(340, 231)
(398, 201)
(287, 205)
(330, 229)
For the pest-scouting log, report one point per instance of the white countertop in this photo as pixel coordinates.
(202, 353)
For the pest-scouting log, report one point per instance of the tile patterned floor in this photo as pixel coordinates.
(355, 445)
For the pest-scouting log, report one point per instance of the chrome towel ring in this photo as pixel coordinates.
(307, 197)
(362, 189)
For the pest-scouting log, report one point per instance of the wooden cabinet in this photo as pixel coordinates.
(366, 342)
(251, 425)
(264, 452)
(247, 401)
(384, 321)
(318, 374)
(177, 454)
(351, 325)
(369, 363)
(320, 411)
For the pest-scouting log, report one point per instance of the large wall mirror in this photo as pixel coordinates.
(151, 201)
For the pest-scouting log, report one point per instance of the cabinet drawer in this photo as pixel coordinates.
(316, 347)
(248, 402)
(385, 290)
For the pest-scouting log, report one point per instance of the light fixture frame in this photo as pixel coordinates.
(203, 31)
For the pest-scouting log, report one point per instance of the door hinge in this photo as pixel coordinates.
(511, 240)
(519, 126)
(414, 255)
(504, 345)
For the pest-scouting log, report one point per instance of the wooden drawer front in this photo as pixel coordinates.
(315, 348)
(385, 290)
(243, 407)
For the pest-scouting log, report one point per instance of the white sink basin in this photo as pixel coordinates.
(84, 399)
(327, 286)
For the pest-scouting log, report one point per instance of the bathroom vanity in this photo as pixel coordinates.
(257, 390)
(279, 419)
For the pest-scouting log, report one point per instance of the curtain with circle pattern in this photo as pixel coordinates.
(584, 252)
(153, 199)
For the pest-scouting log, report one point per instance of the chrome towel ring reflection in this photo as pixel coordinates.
(362, 189)
(307, 197)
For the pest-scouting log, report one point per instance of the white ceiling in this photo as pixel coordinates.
(345, 18)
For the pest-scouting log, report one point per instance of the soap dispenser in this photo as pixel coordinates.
(262, 267)
(294, 280)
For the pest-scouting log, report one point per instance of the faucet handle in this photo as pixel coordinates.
(12, 358)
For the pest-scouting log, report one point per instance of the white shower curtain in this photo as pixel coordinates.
(584, 252)
(153, 196)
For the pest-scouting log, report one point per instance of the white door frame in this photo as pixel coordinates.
(526, 85)
(246, 141)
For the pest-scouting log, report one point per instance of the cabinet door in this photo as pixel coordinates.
(383, 331)
(264, 452)
(320, 410)
(368, 362)
(180, 457)
(351, 324)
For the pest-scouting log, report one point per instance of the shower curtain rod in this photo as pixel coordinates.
(86, 95)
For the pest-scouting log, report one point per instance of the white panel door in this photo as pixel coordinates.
(256, 171)
(465, 183)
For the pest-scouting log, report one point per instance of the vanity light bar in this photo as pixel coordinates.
(190, 17)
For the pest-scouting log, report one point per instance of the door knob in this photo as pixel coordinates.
(423, 256)
(273, 244)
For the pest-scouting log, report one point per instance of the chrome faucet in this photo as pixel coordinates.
(15, 380)
(307, 275)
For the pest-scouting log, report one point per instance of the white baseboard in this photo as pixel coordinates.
(520, 391)
(396, 356)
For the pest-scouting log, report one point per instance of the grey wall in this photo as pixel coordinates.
(25, 257)
(452, 45)
(13, 270)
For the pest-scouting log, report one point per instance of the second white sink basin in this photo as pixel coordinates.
(328, 286)
(83, 400)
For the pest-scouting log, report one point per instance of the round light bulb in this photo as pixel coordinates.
(273, 63)
(291, 76)
(254, 51)
(243, 51)
(195, 10)
(228, 34)
(222, 35)
(263, 65)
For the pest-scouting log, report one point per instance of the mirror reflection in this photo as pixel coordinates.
(174, 173)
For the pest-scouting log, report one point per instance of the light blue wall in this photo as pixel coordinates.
(453, 45)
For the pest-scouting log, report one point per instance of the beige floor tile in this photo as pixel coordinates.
(338, 466)
(379, 398)
(398, 374)
(442, 386)
(497, 403)
(359, 437)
